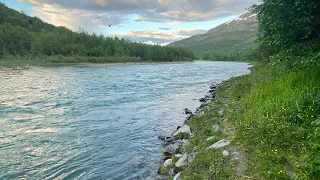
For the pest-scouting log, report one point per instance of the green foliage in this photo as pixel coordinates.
(285, 23)
(252, 54)
(278, 120)
(21, 35)
(14, 39)
(182, 135)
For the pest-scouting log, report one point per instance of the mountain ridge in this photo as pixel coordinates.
(233, 36)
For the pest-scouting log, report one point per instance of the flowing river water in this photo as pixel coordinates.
(97, 121)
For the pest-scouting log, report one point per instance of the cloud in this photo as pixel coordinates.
(73, 18)
(155, 10)
(160, 37)
(167, 29)
(95, 15)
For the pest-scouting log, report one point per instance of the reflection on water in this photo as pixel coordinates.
(99, 121)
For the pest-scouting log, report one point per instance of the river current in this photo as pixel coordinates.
(97, 121)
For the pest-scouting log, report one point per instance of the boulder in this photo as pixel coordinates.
(182, 162)
(216, 128)
(192, 155)
(177, 177)
(204, 104)
(224, 120)
(189, 117)
(204, 99)
(184, 129)
(171, 172)
(199, 114)
(168, 139)
(220, 144)
(167, 163)
(162, 138)
(210, 96)
(210, 138)
(171, 149)
(225, 153)
(187, 111)
(184, 142)
(178, 155)
(213, 86)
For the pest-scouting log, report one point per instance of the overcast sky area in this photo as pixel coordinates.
(149, 21)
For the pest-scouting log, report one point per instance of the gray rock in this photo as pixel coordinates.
(177, 177)
(204, 104)
(192, 155)
(184, 129)
(189, 117)
(199, 114)
(162, 138)
(160, 177)
(184, 142)
(220, 144)
(167, 163)
(213, 86)
(178, 155)
(168, 139)
(182, 162)
(225, 120)
(225, 153)
(204, 99)
(216, 128)
(187, 111)
(220, 112)
(239, 158)
(171, 172)
(171, 148)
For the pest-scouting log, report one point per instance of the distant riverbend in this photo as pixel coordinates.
(97, 121)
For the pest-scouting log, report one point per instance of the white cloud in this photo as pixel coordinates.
(93, 15)
(73, 18)
(160, 37)
(154, 10)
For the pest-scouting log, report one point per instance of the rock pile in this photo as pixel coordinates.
(175, 159)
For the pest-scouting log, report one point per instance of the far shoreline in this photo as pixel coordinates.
(25, 64)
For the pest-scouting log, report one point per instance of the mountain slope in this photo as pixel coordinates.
(230, 37)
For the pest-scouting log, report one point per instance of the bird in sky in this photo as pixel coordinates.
(109, 25)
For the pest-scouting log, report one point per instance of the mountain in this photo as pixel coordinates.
(234, 36)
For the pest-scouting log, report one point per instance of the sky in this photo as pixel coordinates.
(148, 21)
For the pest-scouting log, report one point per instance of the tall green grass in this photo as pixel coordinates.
(279, 122)
(273, 116)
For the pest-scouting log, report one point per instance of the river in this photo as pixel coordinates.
(97, 121)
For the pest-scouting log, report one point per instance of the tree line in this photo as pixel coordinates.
(23, 35)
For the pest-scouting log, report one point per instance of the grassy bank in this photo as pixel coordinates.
(272, 119)
(12, 61)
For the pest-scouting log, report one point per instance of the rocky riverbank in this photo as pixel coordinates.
(175, 158)
(183, 147)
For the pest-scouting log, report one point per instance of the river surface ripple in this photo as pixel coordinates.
(99, 121)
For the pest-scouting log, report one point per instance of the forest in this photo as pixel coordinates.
(23, 36)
